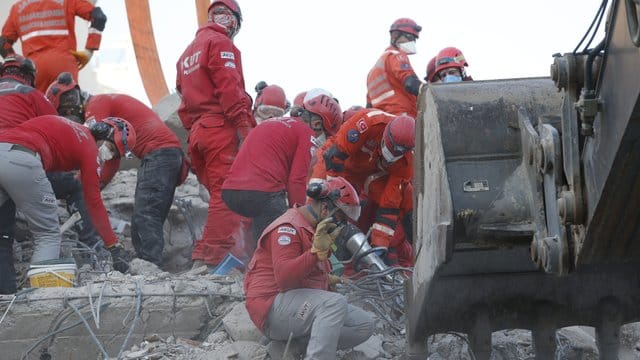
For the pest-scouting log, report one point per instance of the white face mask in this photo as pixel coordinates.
(388, 156)
(408, 47)
(104, 153)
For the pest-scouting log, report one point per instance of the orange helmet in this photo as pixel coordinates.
(399, 137)
(19, 66)
(339, 192)
(118, 131)
(406, 25)
(450, 57)
(328, 109)
(431, 70)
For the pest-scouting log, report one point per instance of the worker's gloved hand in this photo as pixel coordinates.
(334, 280)
(120, 258)
(326, 233)
(381, 235)
(82, 57)
(242, 134)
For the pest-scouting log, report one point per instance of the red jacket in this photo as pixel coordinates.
(275, 156)
(20, 103)
(281, 262)
(385, 84)
(151, 132)
(64, 145)
(358, 140)
(210, 80)
(46, 25)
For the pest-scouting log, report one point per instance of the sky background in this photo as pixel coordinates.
(333, 43)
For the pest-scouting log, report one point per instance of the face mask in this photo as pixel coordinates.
(230, 22)
(388, 156)
(408, 47)
(452, 78)
(104, 153)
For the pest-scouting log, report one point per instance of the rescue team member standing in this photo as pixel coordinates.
(163, 165)
(287, 282)
(53, 143)
(46, 29)
(273, 163)
(392, 85)
(373, 150)
(216, 110)
(450, 66)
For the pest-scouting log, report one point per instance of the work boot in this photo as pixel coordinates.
(7, 269)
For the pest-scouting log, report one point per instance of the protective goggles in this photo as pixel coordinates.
(447, 60)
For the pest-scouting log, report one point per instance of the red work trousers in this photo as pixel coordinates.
(398, 244)
(213, 145)
(50, 63)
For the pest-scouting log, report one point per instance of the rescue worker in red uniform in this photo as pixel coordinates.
(272, 166)
(216, 110)
(271, 102)
(450, 65)
(46, 29)
(392, 85)
(163, 165)
(53, 143)
(287, 282)
(373, 150)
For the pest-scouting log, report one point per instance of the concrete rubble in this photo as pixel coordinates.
(174, 312)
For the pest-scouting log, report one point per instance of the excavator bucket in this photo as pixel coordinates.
(482, 241)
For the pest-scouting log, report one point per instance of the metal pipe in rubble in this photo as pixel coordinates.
(358, 246)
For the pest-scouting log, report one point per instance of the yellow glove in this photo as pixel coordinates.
(326, 233)
(334, 280)
(82, 57)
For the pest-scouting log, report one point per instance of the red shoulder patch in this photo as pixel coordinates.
(362, 126)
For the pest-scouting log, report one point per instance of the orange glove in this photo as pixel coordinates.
(82, 57)
(381, 235)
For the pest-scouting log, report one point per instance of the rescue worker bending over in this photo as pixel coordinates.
(47, 31)
(392, 85)
(53, 143)
(272, 166)
(163, 165)
(216, 110)
(373, 150)
(20, 102)
(287, 283)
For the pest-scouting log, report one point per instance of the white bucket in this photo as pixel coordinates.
(52, 275)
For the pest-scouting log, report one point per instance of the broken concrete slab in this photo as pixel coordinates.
(239, 326)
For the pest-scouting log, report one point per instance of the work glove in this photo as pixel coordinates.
(381, 235)
(334, 280)
(120, 258)
(326, 233)
(82, 57)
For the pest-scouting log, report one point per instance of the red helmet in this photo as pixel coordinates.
(272, 95)
(406, 25)
(328, 109)
(399, 137)
(118, 131)
(450, 57)
(59, 87)
(235, 10)
(341, 194)
(431, 70)
(351, 111)
(25, 68)
(299, 99)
